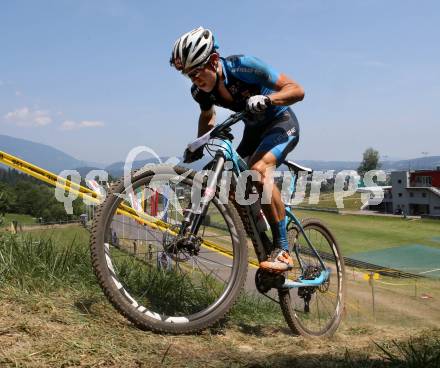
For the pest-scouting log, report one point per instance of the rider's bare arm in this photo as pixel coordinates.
(206, 121)
(288, 91)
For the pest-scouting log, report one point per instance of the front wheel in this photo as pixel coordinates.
(154, 276)
(314, 311)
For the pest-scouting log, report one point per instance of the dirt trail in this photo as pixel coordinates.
(68, 329)
(407, 302)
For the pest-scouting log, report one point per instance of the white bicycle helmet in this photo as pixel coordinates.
(192, 49)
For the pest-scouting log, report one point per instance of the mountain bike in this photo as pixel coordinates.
(171, 247)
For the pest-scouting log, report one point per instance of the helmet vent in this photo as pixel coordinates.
(200, 52)
(198, 41)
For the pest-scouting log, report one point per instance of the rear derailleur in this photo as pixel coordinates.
(305, 293)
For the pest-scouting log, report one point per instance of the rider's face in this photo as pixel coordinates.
(204, 79)
(205, 76)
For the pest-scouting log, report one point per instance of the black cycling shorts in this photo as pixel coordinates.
(279, 136)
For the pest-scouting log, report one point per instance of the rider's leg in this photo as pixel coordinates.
(276, 143)
(280, 259)
(273, 207)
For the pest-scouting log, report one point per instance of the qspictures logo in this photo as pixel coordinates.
(293, 189)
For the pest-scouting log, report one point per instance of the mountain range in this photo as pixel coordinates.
(55, 160)
(42, 155)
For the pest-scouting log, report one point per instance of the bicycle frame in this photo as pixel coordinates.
(225, 153)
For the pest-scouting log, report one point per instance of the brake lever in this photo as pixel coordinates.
(225, 126)
(225, 134)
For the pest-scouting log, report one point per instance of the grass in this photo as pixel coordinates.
(34, 263)
(22, 219)
(423, 351)
(44, 260)
(357, 233)
(69, 327)
(327, 200)
(54, 314)
(64, 236)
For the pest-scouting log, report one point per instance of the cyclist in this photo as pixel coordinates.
(237, 83)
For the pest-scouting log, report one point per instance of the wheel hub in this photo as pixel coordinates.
(188, 245)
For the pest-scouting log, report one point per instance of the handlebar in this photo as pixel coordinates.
(217, 131)
(234, 118)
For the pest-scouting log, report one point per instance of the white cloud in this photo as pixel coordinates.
(91, 124)
(27, 117)
(70, 124)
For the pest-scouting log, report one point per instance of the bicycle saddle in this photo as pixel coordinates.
(297, 168)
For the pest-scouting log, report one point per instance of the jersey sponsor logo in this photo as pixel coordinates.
(245, 70)
(291, 131)
(242, 69)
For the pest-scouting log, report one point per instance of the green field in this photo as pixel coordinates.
(357, 233)
(22, 219)
(63, 236)
(327, 200)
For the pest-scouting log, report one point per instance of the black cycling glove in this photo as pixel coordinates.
(189, 156)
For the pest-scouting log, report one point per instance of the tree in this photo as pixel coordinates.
(25, 195)
(369, 162)
(7, 199)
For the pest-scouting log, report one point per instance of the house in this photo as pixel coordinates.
(412, 193)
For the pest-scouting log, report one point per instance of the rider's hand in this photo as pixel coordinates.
(189, 156)
(258, 103)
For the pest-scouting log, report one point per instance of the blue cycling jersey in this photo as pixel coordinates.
(245, 76)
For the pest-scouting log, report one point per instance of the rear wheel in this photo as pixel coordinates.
(314, 311)
(156, 279)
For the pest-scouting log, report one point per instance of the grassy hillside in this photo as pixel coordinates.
(22, 219)
(54, 314)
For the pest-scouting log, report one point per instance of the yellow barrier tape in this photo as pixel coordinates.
(45, 175)
(83, 192)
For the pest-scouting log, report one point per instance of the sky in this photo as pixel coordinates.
(92, 78)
